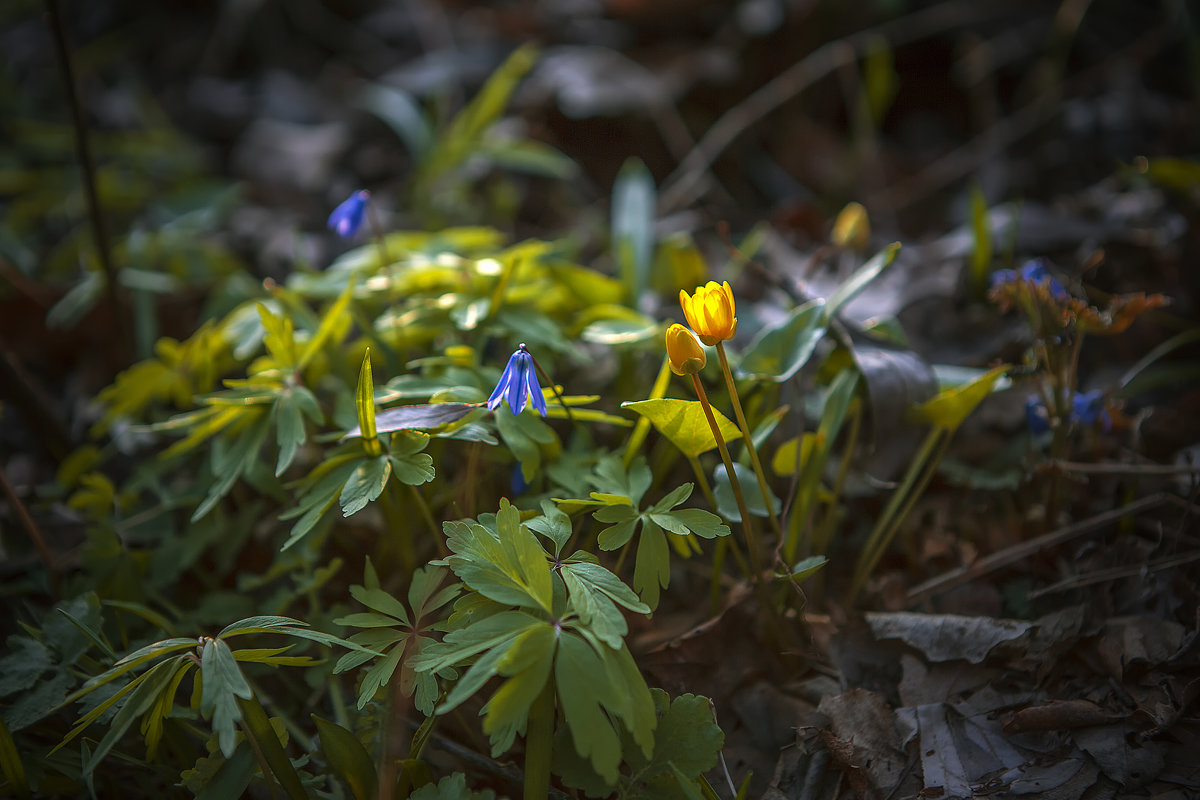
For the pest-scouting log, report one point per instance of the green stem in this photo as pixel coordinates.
(749, 440)
(539, 744)
(752, 543)
(922, 470)
(723, 542)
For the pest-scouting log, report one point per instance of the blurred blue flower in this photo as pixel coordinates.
(1087, 409)
(1036, 416)
(517, 482)
(518, 382)
(348, 217)
(1034, 273)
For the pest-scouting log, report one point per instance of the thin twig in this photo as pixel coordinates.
(679, 188)
(1115, 573)
(1022, 550)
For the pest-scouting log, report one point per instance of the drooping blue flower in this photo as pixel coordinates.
(348, 217)
(517, 383)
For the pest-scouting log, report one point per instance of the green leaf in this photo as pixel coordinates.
(981, 229)
(452, 787)
(223, 683)
(860, 279)
(259, 728)
(508, 567)
(365, 484)
(696, 520)
(617, 535)
(686, 737)
(528, 662)
(347, 757)
(949, 408)
(653, 567)
(554, 524)
(335, 319)
(10, 763)
(26, 660)
(778, 353)
(423, 595)
(633, 201)
(364, 399)
(145, 691)
(806, 568)
(584, 686)
(594, 592)
(425, 416)
(218, 778)
(380, 601)
(684, 423)
(727, 503)
(289, 428)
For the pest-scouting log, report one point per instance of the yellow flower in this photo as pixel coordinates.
(684, 353)
(710, 312)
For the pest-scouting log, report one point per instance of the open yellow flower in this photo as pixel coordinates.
(710, 311)
(684, 353)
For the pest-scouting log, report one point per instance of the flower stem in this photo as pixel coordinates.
(752, 543)
(749, 440)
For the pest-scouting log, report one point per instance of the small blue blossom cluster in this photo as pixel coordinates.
(1088, 408)
(517, 383)
(348, 217)
(1033, 273)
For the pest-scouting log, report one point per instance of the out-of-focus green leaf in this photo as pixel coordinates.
(949, 408)
(347, 757)
(861, 278)
(633, 201)
(259, 728)
(778, 353)
(10, 763)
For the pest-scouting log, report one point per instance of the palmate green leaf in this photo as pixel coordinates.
(554, 524)
(508, 567)
(780, 352)
(598, 687)
(527, 664)
(133, 661)
(381, 601)
(288, 627)
(684, 423)
(223, 683)
(322, 488)
(347, 758)
(611, 477)
(617, 535)
(423, 594)
(452, 787)
(292, 404)
(272, 656)
(686, 737)
(496, 635)
(365, 484)
(230, 462)
(594, 592)
(652, 570)
(683, 521)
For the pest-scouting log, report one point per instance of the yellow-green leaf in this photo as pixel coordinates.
(948, 409)
(684, 423)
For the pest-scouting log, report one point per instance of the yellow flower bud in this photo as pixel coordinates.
(684, 353)
(710, 312)
(852, 229)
